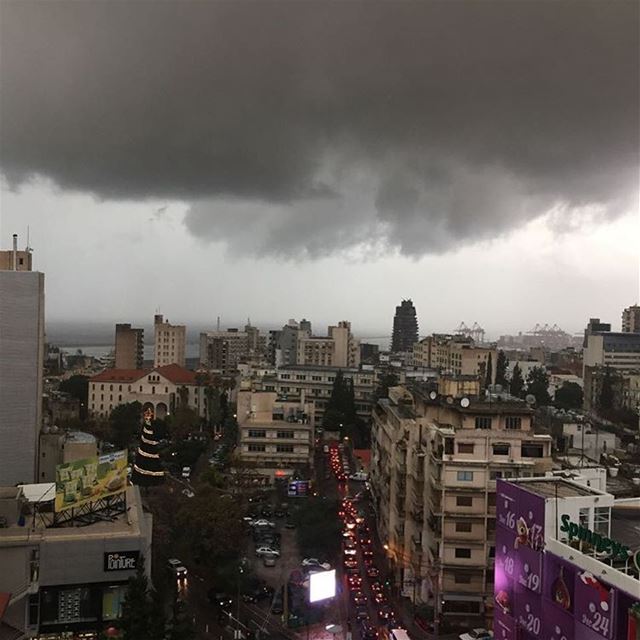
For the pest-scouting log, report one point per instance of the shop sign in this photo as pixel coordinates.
(602, 544)
(121, 560)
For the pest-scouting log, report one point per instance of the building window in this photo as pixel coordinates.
(464, 501)
(120, 387)
(284, 448)
(463, 527)
(110, 387)
(493, 475)
(532, 450)
(285, 435)
(448, 446)
(153, 390)
(256, 448)
(465, 476)
(491, 499)
(120, 398)
(462, 578)
(492, 551)
(461, 552)
(166, 389)
(257, 433)
(301, 377)
(501, 449)
(285, 376)
(316, 378)
(465, 447)
(513, 422)
(583, 517)
(483, 422)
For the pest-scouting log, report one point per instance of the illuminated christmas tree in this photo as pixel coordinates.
(147, 468)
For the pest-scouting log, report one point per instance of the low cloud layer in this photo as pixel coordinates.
(303, 129)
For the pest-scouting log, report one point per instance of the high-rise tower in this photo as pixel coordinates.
(405, 327)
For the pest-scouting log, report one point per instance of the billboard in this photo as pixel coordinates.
(90, 479)
(322, 585)
(299, 488)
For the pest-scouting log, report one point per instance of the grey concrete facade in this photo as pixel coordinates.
(21, 363)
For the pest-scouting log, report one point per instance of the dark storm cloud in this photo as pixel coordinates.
(305, 128)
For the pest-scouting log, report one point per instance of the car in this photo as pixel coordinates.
(262, 522)
(188, 493)
(349, 543)
(220, 599)
(379, 598)
(350, 563)
(478, 633)
(314, 562)
(375, 586)
(372, 572)
(362, 614)
(267, 541)
(177, 568)
(385, 612)
(359, 599)
(257, 590)
(289, 524)
(350, 552)
(355, 581)
(186, 472)
(351, 571)
(359, 476)
(266, 512)
(269, 561)
(367, 552)
(267, 551)
(368, 631)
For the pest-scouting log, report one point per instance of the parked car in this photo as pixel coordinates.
(262, 522)
(267, 551)
(314, 562)
(477, 634)
(186, 472)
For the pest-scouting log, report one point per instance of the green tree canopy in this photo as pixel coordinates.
(489, 372)
(607, 394)
(181, 626)
(124, 422)
(569, 396)
(386, 380)
(516, 384)
(140, 609)
(77, 387)
(538, 385)
(501, 369)
(319, 527)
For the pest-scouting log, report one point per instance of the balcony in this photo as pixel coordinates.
(417, 515)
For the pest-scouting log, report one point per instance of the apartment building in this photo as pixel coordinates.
(276, 436)
(631, 319)
(170, 342)
(338, 349)
(435, 462)
(21, 367)
(222, 350)
(455, 354)
(625, 387)
(159, 388)
(14, 260)
(129, 347)
(603, 347)
(309, 383)
(283, 343)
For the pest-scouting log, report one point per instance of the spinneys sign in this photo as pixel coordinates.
(602, 544)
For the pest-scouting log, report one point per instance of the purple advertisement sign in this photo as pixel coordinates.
(504, 626)
(594, 604)
(529, 568)
(505, 570)
(559, 582)
(506, 501)
(558, 625)
(529, 520)
(528, 610)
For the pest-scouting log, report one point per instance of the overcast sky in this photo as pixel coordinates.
(325, 159)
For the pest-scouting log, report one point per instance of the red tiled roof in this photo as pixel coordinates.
(119, 375)
(177, 374)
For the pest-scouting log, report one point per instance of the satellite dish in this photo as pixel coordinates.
(449, 400)
(464, 403)
(530, 398)
(433, 395)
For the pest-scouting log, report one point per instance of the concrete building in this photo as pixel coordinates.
(14, 260)
(170, 343)
(276, 435)
(405, 327)
(604, 347)
(222, 350)
(435, 461)
(22, 351)
(564, 562)
(308, 383)
(59, 447)
(159, 388)
(338, 349)
(631, 319)
(625, 385)
(65, 581)
(455, 354)
(129, 347)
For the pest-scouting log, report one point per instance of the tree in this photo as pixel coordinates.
(77, 387)
(388, 379)
(181, 626)
(517, 382)
(182, 422)
(538, 385)
(318, 527)
(124, 422)
(569, 396)
(501, 369)
(137, 609)
(489, 372)
(607, 395)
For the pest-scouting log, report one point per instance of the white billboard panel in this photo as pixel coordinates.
(322, 585)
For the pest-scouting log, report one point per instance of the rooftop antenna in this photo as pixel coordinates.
(218, 324)
(28, 247)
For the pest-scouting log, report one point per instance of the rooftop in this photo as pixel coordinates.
(557, 488)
